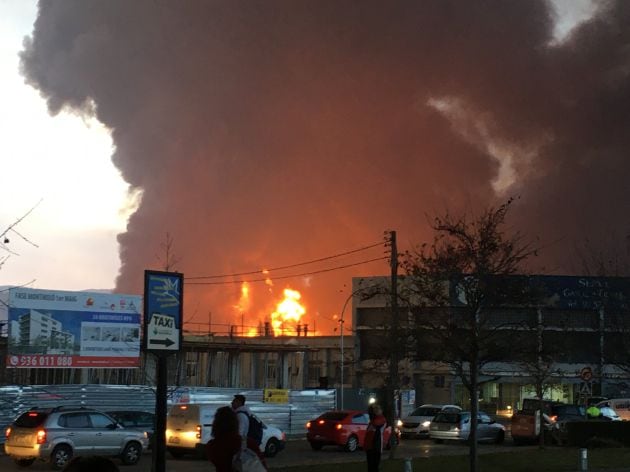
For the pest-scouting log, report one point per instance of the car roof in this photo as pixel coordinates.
(439, 405)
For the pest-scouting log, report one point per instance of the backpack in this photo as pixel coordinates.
(246, 460)
(255, 430)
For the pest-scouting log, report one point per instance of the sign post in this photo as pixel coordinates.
(163, 327)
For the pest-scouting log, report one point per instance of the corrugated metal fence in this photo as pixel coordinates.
(290, 417)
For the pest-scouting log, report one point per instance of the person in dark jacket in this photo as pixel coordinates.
(373, 443)
(226, 441)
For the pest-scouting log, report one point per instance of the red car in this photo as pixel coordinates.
(344, 428)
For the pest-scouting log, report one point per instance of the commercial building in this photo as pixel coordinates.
(588, 316)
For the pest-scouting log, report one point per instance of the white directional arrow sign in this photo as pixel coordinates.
(162, 333)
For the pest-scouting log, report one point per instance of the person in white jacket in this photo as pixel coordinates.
(238, 405)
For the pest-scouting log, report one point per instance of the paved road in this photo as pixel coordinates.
(297, 452)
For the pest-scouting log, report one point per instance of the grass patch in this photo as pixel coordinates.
(545, 460)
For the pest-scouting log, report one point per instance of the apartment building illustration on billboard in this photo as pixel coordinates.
(40, 333)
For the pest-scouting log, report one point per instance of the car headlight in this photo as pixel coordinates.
(399, 423)
(426, 424)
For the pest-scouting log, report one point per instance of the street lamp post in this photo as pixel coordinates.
(341, 321)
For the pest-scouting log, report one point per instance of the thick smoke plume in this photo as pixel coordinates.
(265, 133)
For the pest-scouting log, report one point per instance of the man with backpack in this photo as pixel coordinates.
(250, 428)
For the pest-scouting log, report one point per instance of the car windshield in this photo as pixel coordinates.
(334, 415)
(31, 419)
(445, 417)
(426, 411)
(564, 410)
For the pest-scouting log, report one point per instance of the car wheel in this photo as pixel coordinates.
(131, 453)
(316, 446)
(24, 462)
(500, 437)
(60, 456)
(352, 444)
(272, 447)
(177, 454)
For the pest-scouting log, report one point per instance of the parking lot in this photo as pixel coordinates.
(297, 452)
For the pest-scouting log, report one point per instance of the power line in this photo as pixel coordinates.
(288, 276)
(240, 274)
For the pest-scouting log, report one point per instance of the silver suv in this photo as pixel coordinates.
(58, 434)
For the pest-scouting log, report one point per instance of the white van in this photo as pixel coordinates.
(189, 428)
(620, 405)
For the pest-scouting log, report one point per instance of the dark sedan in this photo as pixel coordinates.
(134, 419)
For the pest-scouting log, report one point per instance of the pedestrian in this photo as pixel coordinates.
(373, 442)
(244, 415)
(226, 441)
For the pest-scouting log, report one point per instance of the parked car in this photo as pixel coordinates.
(58, 434)
(138, 420)
(620, 405)
(456, 426)
(560, 412)
(345, 428)
(608, 413)
(418, 422)
(189, 428)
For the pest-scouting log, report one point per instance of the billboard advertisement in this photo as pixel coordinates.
(60, 329)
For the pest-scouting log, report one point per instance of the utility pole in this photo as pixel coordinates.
(394, 338)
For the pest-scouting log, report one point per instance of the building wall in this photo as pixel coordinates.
(590, 316)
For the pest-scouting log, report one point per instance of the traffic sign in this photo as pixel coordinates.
(162, 333)
(586, 374)
(586, 389)
(163, 312)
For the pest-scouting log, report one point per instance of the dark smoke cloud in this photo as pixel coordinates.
(267, 133)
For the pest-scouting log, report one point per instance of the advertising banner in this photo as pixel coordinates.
(60, 329)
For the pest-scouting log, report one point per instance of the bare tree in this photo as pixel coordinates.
(609, 257)
(11, 230)
(170, 260)
(539, 360)
(458, 282)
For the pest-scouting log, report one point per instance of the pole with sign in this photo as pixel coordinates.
(163, 326)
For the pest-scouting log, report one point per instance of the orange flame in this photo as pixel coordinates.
(268, 281)
(244, 300)
(288, 312)
(252, 333)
